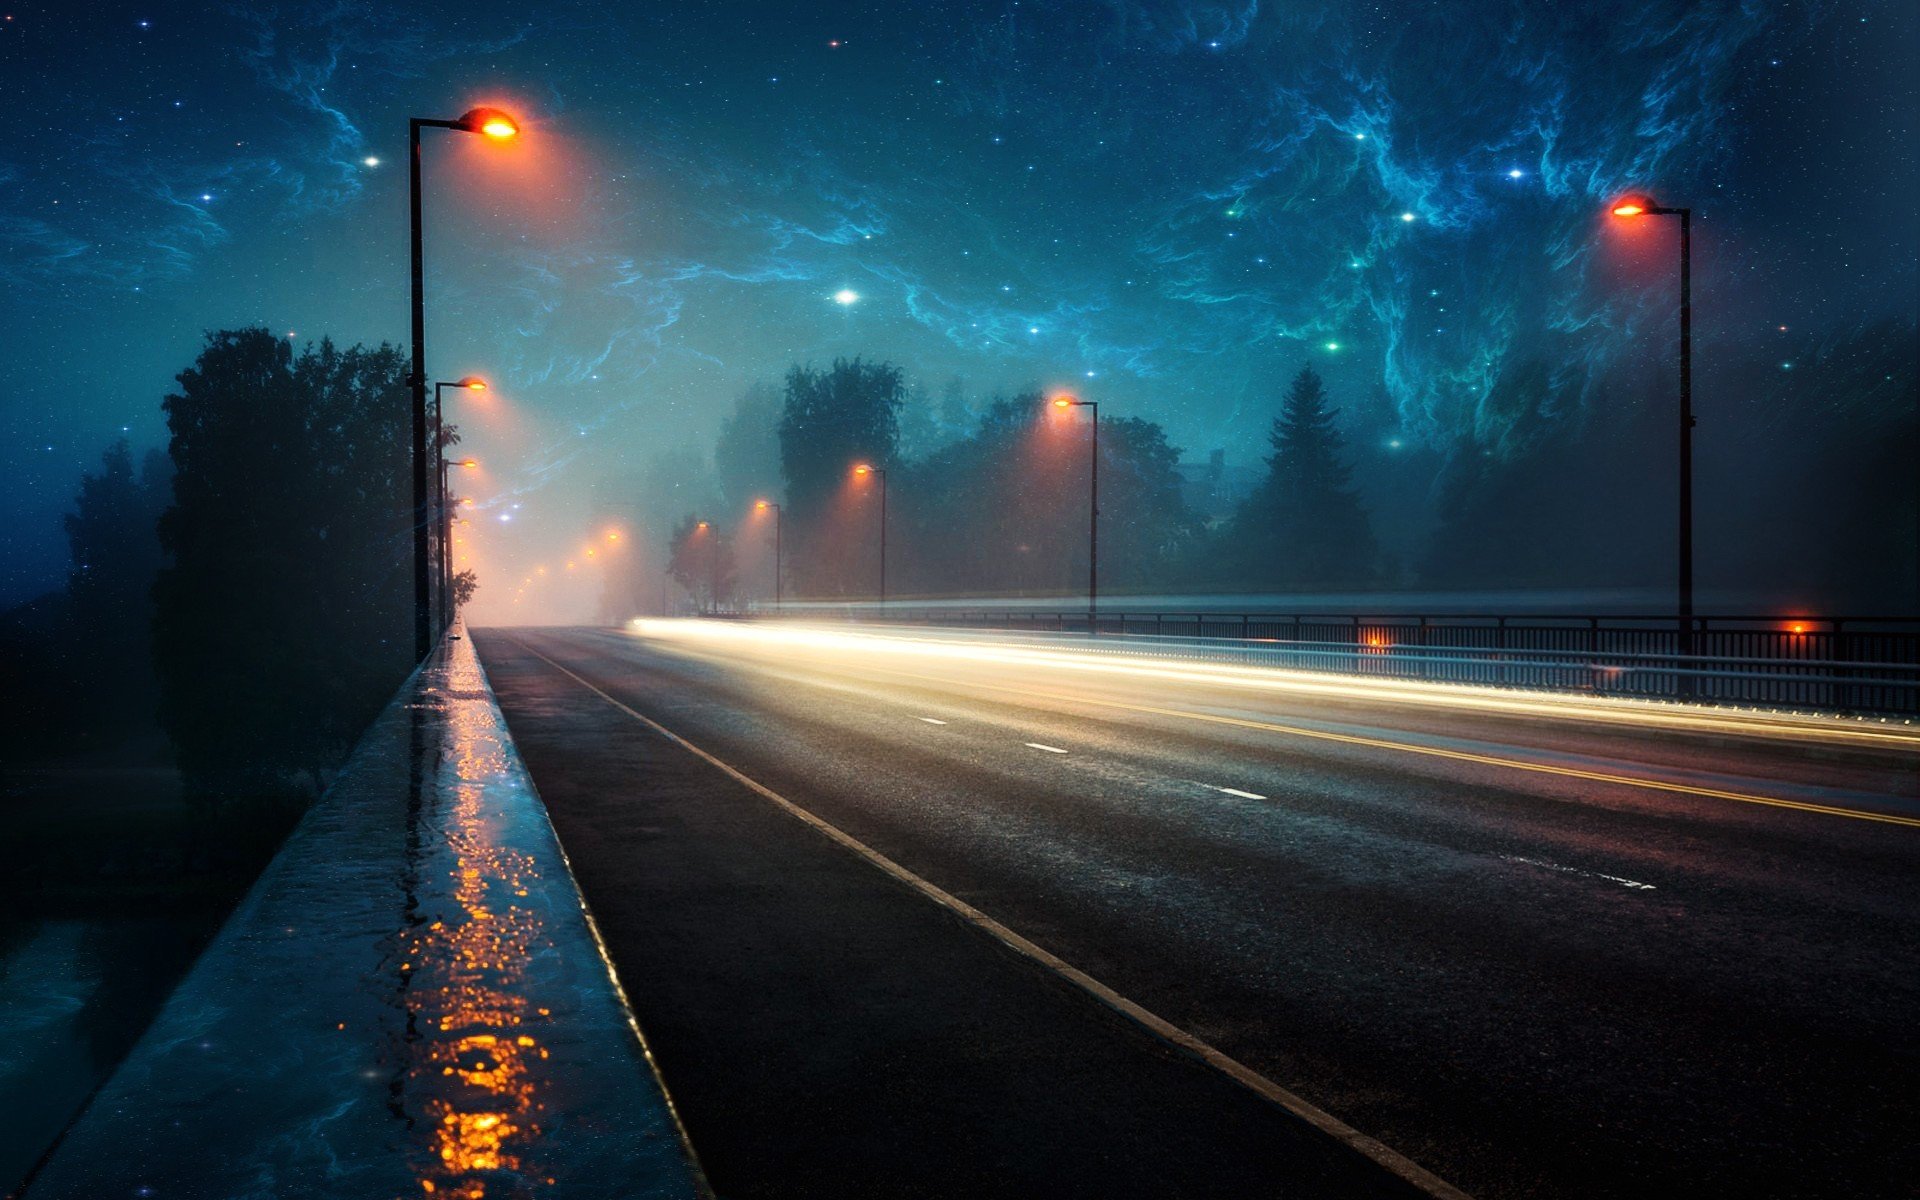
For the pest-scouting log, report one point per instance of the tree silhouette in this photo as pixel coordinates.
(1004, 509)
(701, 561)
(1304, 526)
(281, 623)
(746, 456)
(832, 419)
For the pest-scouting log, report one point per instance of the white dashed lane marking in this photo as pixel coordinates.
(1048, 749)
(1624, 882)
(931, 720)
(1237, 792)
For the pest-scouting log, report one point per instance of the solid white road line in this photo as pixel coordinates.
(1048, 749)
(930, 720)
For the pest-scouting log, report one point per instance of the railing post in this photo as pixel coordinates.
(1842, 689)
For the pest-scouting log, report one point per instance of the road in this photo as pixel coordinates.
(1532, 949)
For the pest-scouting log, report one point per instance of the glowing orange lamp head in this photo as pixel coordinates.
(1633, 206)
(863, 470)
(469, 462)
(490, 121)
(701, 525)
(473, 383)
(759, 506)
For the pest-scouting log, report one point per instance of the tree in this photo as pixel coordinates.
(281, 625)
(832, 419)
(701, 561)
(1304, 525)
(1004, 509)
(746, 456)
(465, 585)
(112, 533)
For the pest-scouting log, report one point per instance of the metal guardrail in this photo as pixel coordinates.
(1831, 664)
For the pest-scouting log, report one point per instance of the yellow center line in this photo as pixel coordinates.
(1658, 785)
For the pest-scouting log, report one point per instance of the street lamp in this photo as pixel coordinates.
(447, 611)
(769, 506)
(1065, 401)
(491, 123)
(1628, 208)
(713, 565)
(862, 471)
(470, 383)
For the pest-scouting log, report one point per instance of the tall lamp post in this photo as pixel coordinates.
(713, 566)
(863, 470)
(769, 506)
(472, 383)
(446, 580)
(1064, 402)
(489, 122)
(1628, 208)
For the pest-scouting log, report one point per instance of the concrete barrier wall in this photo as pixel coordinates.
(410, 1002)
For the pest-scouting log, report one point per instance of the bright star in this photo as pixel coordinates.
(1516, 173)
(845, 297)
(370, 161)
(1331, 346)
(1406, 216)
(1033, 329)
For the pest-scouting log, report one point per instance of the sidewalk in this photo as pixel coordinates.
(410, 1002)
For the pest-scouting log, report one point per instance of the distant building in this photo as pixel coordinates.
(1213, 489)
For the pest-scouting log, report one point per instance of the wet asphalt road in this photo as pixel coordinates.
(1529, 983)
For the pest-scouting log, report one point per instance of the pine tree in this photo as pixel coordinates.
(1304, 526)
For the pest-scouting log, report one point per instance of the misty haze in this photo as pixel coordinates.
(1124, 599)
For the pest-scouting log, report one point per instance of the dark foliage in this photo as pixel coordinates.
(1005, 508)
(1304, 526)
(701, 561)
(832, 419)
(281, 625)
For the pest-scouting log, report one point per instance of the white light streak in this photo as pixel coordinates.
(845, 644)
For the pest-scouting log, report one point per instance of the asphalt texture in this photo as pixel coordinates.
(1529, 982)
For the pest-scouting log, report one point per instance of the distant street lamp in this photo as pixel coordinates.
(863, 470)
(488, 122)
(470, 383)
(1065, 401)
(1627, 208)
(769, 506)
(713, 565)
(448, 610)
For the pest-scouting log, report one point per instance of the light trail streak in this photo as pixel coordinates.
(843, 643)
(1780, 726)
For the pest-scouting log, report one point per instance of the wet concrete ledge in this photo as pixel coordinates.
(410, 1002)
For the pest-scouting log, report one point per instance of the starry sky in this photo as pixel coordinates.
(1171, 205)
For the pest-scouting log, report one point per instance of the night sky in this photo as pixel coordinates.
(1172, 206)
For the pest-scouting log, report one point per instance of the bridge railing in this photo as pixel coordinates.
(1833, 664)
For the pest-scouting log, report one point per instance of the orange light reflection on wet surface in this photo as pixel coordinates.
(474, 1082)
